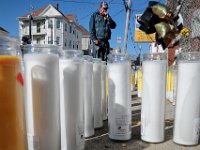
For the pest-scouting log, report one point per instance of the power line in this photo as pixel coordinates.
(120, 11)
(92, 12)
(85, 16)
(82, 2)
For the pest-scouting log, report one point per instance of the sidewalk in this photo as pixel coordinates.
(101, 141)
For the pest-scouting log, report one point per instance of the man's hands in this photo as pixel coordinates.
(96, 42)
(106, 15)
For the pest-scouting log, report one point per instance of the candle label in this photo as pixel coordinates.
(123, 124)
(79, 134)
(33, 142)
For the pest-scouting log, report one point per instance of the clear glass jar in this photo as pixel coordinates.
(154, 70)
(71, 54)
(42, 105)
(118, 58)
(71, 100)
(12, 120)
(154, 56)
(187, 117)
(119, 97)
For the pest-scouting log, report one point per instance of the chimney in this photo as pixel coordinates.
(57, 6)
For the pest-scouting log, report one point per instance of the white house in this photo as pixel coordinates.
(50, 26)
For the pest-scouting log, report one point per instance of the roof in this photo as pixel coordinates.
(37, 12)
(70, 17)
(83, 30)
(2, 29)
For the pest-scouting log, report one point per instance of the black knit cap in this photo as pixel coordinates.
(104, 4)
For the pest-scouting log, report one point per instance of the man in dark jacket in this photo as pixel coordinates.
(100, 31)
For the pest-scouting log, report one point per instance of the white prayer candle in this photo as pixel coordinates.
(87, 78)
(71, 101)
(153, 97)
(187, 116)
(103, 82)
(97, 101)
(42, 99)
(119, 98)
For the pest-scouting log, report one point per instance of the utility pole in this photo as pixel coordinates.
(128, 11)
(30, 27)
(30, 17)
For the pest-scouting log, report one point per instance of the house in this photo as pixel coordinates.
(48, 25)
(86, 42)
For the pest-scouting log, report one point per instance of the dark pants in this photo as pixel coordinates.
(101, 50)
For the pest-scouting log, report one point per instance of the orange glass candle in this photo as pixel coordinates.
(12, 119)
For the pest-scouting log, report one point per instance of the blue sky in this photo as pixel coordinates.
(10, 10)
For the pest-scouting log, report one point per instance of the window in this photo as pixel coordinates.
(58, 24)
(65, 27)
(70, 29)
(77, 36)
(77, 46)
(58, 40)
(38, 27)
(50, 40)
(38, 40)
(44, 24)
(73, 44)
(23, 26)
(70, 44)
(50, 24)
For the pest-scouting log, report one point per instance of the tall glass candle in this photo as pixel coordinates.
(42, 98)
(187, 114)
(71, 100)
(87, 78)
(97, 100)
(154, 68)
(103, 86)
(119, 97)
(12, 119)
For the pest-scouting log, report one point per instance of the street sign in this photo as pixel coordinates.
(119, 39)
(141, 36)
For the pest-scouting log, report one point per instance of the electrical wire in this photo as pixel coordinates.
(119, 12)
(81, 2)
